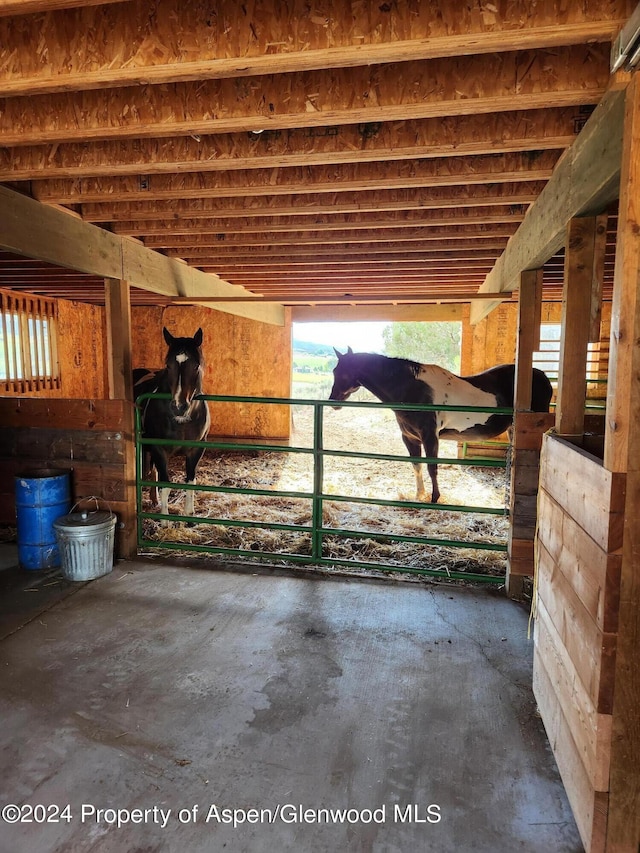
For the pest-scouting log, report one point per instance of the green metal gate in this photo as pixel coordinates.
(317, 496)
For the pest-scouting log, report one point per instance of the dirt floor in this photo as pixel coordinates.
(351, 429)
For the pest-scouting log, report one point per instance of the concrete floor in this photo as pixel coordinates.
(172, 693)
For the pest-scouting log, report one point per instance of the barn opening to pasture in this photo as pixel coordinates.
(304, 646)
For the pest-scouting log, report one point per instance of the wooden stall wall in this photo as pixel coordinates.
(244, 358)
(83, 437)
(581, 508)
(80, 346)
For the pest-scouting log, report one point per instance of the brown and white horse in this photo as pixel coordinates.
(398, 380)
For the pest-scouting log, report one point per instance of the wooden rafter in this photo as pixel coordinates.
(362, 133)
(563, 77)
(585, 182)
(488, 169)
(159, 41)
(452, 136)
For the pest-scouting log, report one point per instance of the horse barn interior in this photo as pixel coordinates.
(240, 168)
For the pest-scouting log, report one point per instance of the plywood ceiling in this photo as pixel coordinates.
(309, 151)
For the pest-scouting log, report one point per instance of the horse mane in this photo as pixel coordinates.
(396, 366)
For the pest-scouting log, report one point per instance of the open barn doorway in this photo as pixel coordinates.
(313, 343)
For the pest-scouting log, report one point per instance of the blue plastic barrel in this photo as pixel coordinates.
(41, 497)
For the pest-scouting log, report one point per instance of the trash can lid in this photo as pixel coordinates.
(83, 519)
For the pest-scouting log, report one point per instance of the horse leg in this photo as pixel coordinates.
(160, 462)
(149, 471)
(192, 457)
(415, 449)
(431, 443)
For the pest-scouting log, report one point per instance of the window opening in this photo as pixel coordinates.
(28, 344)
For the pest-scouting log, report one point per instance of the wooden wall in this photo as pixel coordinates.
(81, 350)
(493, 340)
(75, 429)
(581, 508)
(88, 438)
(244, 358)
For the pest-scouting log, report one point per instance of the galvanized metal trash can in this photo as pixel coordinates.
(41, 497)
(85, 540)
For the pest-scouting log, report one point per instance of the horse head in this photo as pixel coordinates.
(345, 380)
(185, 367)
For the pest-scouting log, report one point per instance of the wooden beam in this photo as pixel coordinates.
(622, 453)
(395, 237)
(46, 233)
(576, 321)
(435, 297)
(319, 204)
(380, 313)
(496, 168)
(317, 236)
(565, 76)
(329, 222)
(168, 41)
(585, 181)
(459, 243)
(30, 7)
(453, 136)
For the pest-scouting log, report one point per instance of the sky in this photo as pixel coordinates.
(361, 337)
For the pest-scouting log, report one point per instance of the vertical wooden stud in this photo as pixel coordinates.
(524, 460)
(576, 326)
(622, 453)
(599, 253)
(118, 311)
(528, 338)
(119, 361)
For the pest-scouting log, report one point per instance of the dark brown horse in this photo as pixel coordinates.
(398, 380)
(183, 417)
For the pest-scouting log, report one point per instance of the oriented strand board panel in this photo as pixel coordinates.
(243, 358)
(81, 352)
(493, 340)
(81, 347)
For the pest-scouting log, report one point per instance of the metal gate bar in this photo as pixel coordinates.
(316, 530)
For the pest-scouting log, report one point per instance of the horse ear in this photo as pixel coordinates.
(349, 350)
(167, 336)
(197, 338)
(339, 354)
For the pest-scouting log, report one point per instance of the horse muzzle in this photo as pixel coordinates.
(179, 408)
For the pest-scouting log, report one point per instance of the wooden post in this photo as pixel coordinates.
(597, 280)
(524, 459)
(622, 453)
(118, 311)
(580, 257)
